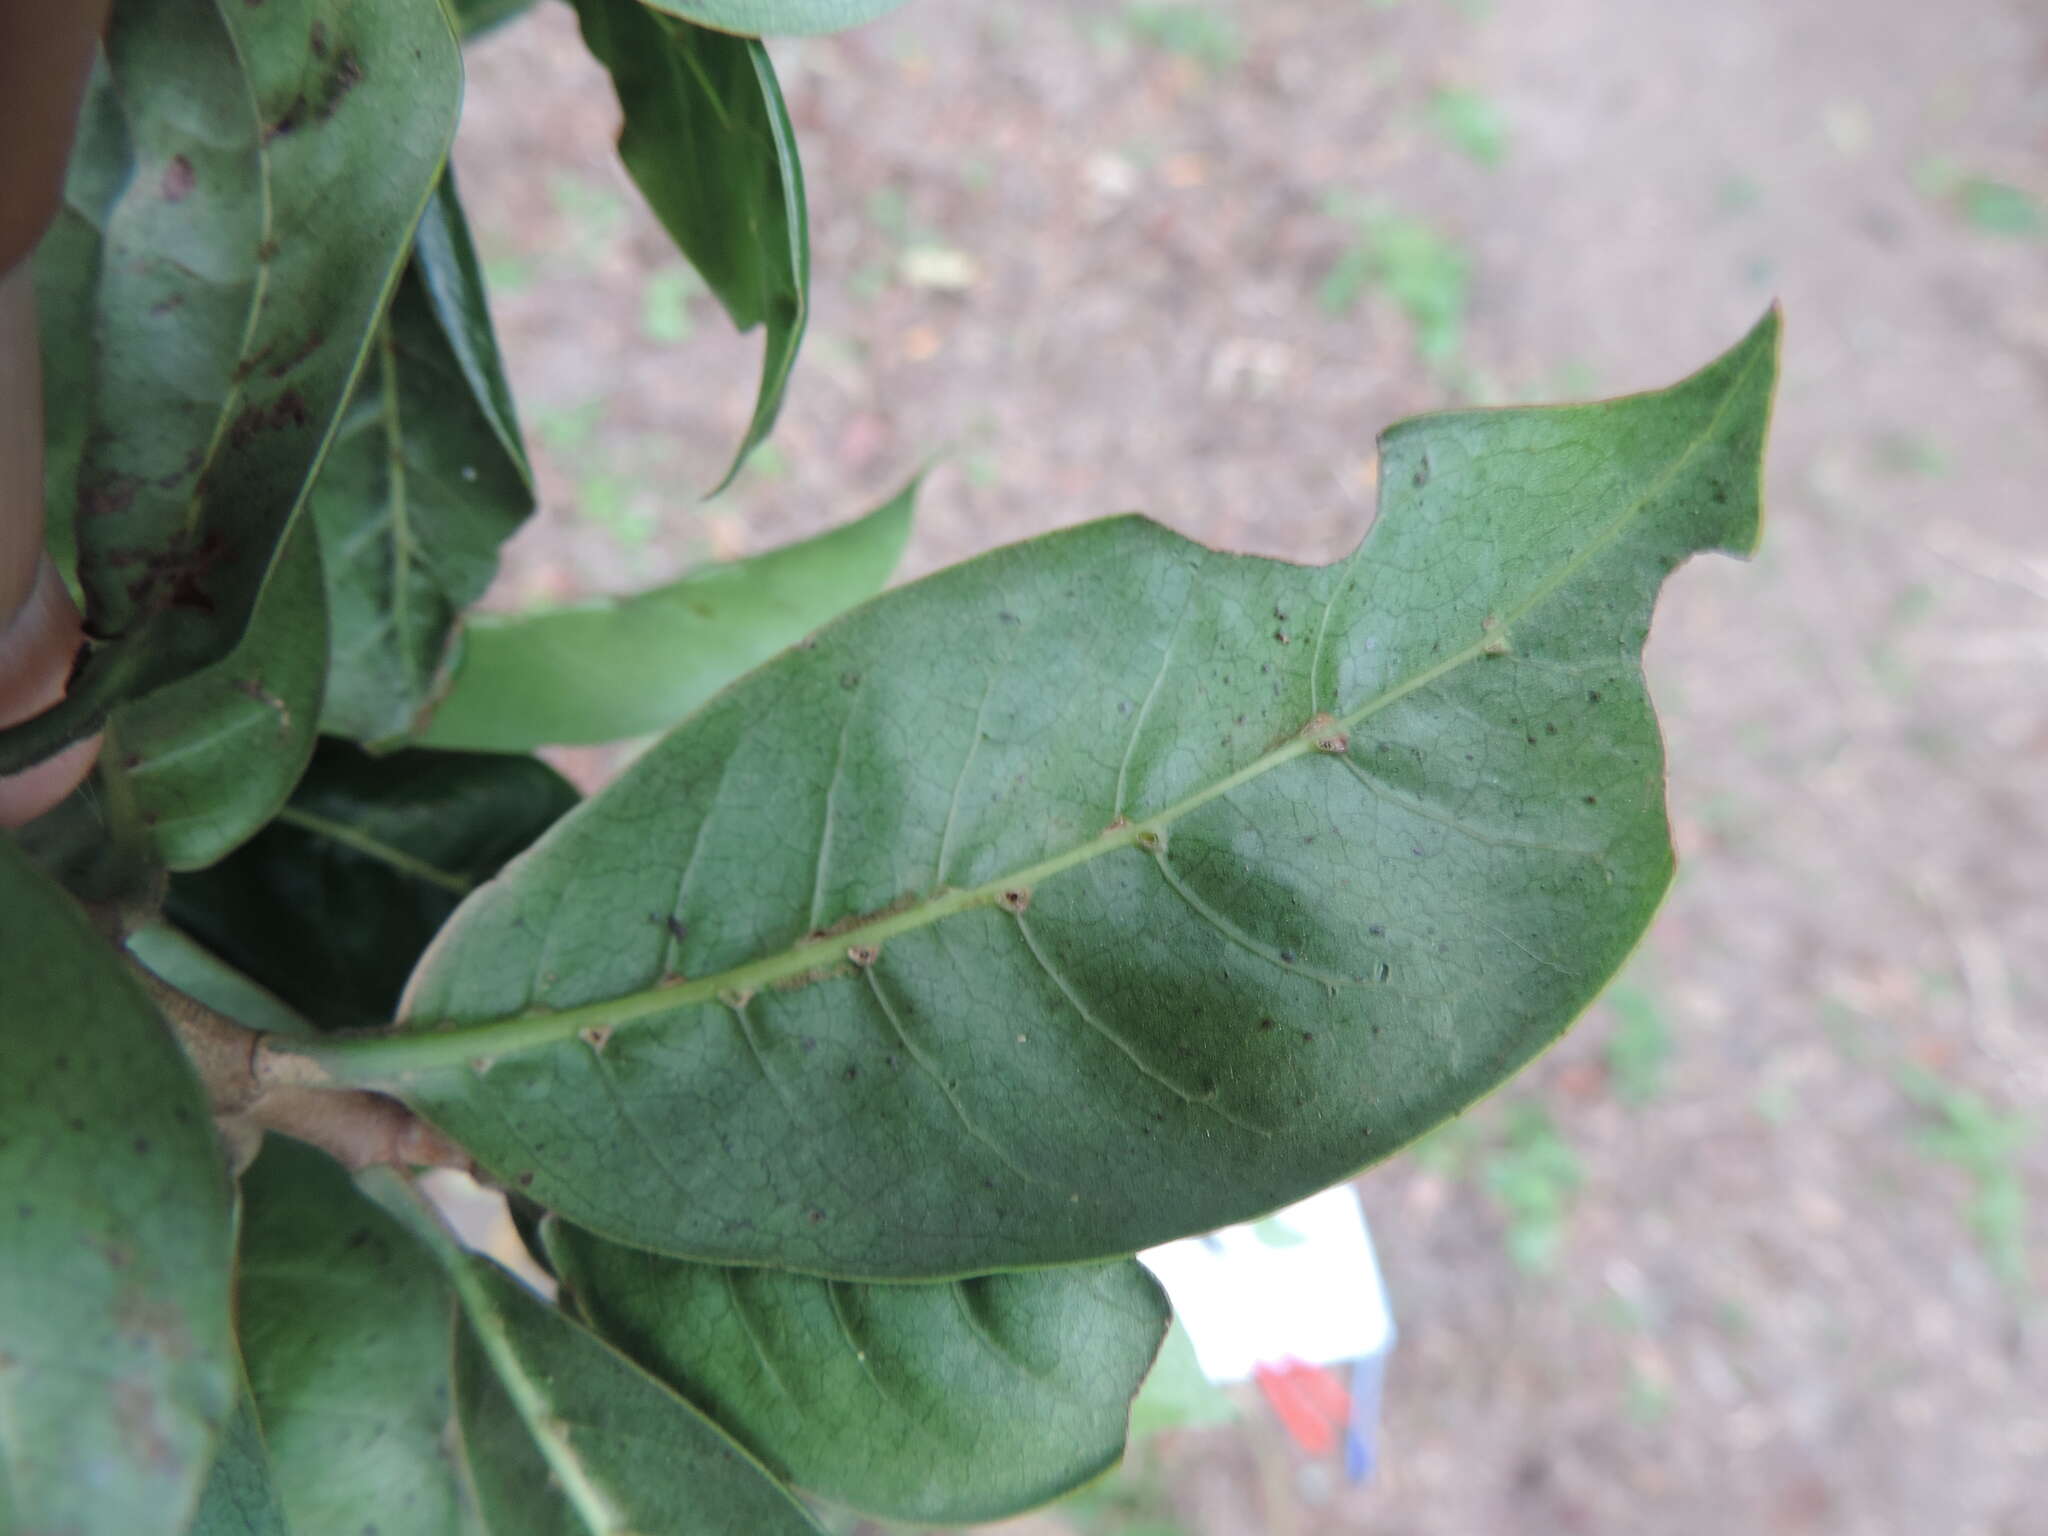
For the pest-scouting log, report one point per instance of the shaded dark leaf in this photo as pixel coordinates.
(331, 904)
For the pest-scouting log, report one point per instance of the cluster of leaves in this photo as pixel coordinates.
(837, 1057)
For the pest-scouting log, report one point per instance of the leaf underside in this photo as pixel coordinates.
(240, 1498)
(620, 1450)
(220, 309)
(211, 757)
(117, 1369)
(427, 478)
(963, 1400)
(1104, 889)
(346, 1325)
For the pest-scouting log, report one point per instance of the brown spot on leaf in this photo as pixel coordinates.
(287, 410)
(343, 76)
(1015, 900)
(114, 494)
(140, 1431)
(178, 179)
(863, 955)
(298, 355)
(250, 688)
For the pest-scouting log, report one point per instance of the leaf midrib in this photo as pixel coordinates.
(386, 1057)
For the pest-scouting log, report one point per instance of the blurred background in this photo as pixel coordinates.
(1752, 1250)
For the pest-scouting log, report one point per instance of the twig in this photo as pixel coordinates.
(252, 1087)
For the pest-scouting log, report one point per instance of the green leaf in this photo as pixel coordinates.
(566, 1434)
(220, 305)
(709, 143)
(330, 905)
(969, 1400)
(777, 18)
(240, 1498)
(2000, 209)
(177, 958)
(427, 478)
(478, 17)
(347, 1327)
(117, 1366)
(209, 759)
(621, 1451)
(631, 666)
(1104, 889)
(94, 844)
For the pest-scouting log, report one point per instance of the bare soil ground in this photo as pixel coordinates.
(1749, 1253)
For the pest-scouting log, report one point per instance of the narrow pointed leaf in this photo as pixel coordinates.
(635, 665)
(777, 18)
(347, 1327)
(1104, 889)
(426, 480)
(709, 143)
(117, 1366)
(331, 904)
(240, 1498)
(211, 757)
(228, 308)
(965, 1400)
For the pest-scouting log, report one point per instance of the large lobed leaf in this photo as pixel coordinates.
(708, 141)
(206, 311)
(631, 666)
(426, 479)
(117, 1366)
(1104, 889)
